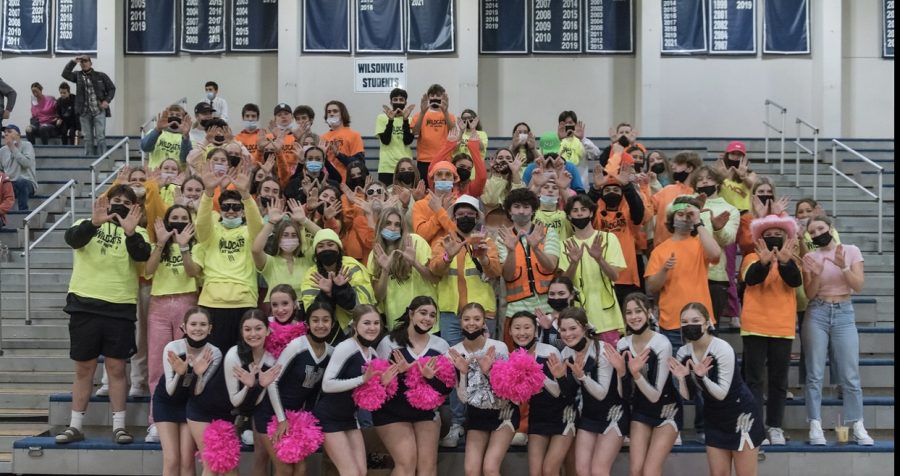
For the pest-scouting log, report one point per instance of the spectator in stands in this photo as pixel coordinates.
(94, 93)
(683, 165)
(467, 158)
(170, 139)
(503, 177)
(250, 132)
(523, 141)
(394, 134)
(313, 172)
(18, 162)
(68, 123)
(7, 101)
(431, 125)
(763, 203)
(625, 135)
(431, 216)
(43, 116)
(831, 274)
(291, 234)
(659, 170)
(218, 104)
(281, 142)
(102, 302)
(806, 209)
(304, 117)
(470, 126)
(7, 197)
(549, 212)
(553, 162)
(343, 144)
(570, 133)
(203, 114)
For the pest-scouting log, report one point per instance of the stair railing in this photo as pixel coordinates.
(29, 245)
(879, 197)
(798, 146)
(769, 127)
(4, 252)
(94, 186)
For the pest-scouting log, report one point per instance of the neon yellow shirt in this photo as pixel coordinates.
(170, 277)
(102, 268)
(168, 146)
(555, 219)
(571, 149)
(399, 294)
(735, 193)
(276, 272)
(597, 289)
(389, 155)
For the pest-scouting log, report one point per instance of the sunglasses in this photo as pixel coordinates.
(232, 207)
(373, 191)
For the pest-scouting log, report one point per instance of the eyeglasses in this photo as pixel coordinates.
(373, 191)
(232, 207)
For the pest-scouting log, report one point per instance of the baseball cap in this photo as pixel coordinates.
(549, 143)
(13, 127)
(203, 108)
(736, 146)
(282, 107)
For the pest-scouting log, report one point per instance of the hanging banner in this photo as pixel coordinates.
(786, 27)
(732, 27)
(608, 26)
(556, 26)
(203, 26)
(254, 26)
(430, 26)
(75, 28)
(150, 27)
(26, 26)
(683, 27)
(326, 26)
(379, 75)
(887, 50)
(379, 26)
(504, 27)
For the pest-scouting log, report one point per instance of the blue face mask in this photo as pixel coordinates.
(390, 235)
(443, 185)
(232, 223)
(251, 125)
(210, 95)
(313, 166)
(548, 201)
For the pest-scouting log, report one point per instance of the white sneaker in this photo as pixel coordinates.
(789, 396)
(678, 439)
(103, 391)
(451, 439)
(137, 391)
(776, 436)
(860, 435)
(247, 437)
(519, 439)
(152, 434)
(736, 322)
(816, 436)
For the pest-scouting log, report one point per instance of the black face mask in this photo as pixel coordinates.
(640, 330)
(692, 332)
(399, 106)
(570, 129)
(406, 177)
(197, 344)
(612, 200)
(765, 199)
(527, 346)
(638, 166)
(732, 163)
(435, 102)
(580, 345)
(204, 123)
(220, 139)
(558, 304)
(773, 242)
(356, 182)
(419, 330)
(623, 141)
(365, 342)
(658, 168)
(822, 240)
(680, 176)
(265, 201)
(472, 335)
(708, 190)
(233, 160)
(321, 209)
(464, 174)
(466, 224)
(119, 210)
(580, 223)
(315, 338)
(179, 227)
(328, 257)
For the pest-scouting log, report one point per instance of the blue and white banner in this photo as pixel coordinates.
(379, 26)
(254, 26)
(732, 27)
(684, 27)
(150, 27)
(430, 26)
(608, 26)
(887, 50)
(326, 26)
(203, 26)
(786, 28)
(504, 27)
(75, 29)
(26, 26)
(556, 26)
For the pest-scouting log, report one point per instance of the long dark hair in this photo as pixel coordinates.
(166, 249)
(245, 353)
(567, 282)
(400, 333)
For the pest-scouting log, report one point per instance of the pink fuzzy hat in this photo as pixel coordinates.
(786, 223)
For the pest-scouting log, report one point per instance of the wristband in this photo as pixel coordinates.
(185, 248)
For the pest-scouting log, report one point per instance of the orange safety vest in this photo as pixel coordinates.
(530, 279)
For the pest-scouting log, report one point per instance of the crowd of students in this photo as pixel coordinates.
(201, 263)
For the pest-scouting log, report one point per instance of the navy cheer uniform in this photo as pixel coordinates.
(224, 392)
(733, 420)
(298, 384)
(484, 410)
(173, 391)
(654, 401)
(603, 408)
(336, 409)
(398, 409)
(552, 410)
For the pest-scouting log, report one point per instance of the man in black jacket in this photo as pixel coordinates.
(93, 95)
(7, 101)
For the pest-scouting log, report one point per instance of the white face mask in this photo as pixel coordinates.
(333, 121)
(523, 137)
(139, 191)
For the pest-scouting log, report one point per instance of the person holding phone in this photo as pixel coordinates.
(93, 94)
(570, 133)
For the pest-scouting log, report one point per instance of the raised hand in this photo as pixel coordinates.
(298, 211)
(428, 370)
(389, 374)
(342, 277)
(240, 177)
(598, 174)
(419, 192)
(577, 367)
(130, 222)
(579, 130)
(445, 102)
(332, 210)
(598, 246)
(537, 235)
(248, 378)
(122, 176)
(678, 369)
(383, 259)
(455, 132)
(178, 365)
(564, 179)
(388, 111)
(486, 361)
(460, 362)
(765, 254)
(408, 110)
(184, 236)
(209, 177)
(779, 206)
(508, 237)
(276, 210)
(615, 359)
(702, 369)
(719, 221)
(203, 361)
(840, 259)
(786, 252)
(637, 363)
(269, 376)
(162, 233)
(811, 266)
(574, 250)
(100, 211)
(452, 245)
(324, 283)
(671, 262)
(556, 366)
(760, 209)
(544, 320)
(162, 120)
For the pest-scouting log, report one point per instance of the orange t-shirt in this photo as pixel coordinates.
(686, 282)
(250, 140)
(660, 202)
(285, 159)
(619, 223)
(770, 307)
(349, 143)
(744, 238)
(432, 136)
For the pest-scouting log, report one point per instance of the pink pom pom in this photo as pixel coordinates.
(281, 335)
(419, 393)
(303, 437)
(371, 395)
(517, 379)
(221, 447)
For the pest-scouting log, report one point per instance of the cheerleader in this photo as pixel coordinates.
(603, 420)
(551, 412)
(303, 362)
(491, 421)
(336, 409)
(734, 425)
(184, 362)
(410, 433)
(656, 411)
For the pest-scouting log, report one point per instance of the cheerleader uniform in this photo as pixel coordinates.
(298, 385)
(336, 409)
(552, 410)
(733, 419)
(654, 402)
(173, 391)
(398, 408)
(603, 408)
(210, 404)
(484, 410)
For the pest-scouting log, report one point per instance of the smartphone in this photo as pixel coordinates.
(570, 128)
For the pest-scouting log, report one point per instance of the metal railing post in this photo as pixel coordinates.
(128, 153)
(4, 252)
(93, 184)
(783, 117)
(815, 163)
(797, 155)
(880, 209)
(769, 126)
(27, 274)
(766, 137)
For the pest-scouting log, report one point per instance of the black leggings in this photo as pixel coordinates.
(226, 326)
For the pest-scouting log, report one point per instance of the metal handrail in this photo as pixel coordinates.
(814, 152)
(181, 102)
(124, 142)
(783, 111)
(879, 196)
(26, 225)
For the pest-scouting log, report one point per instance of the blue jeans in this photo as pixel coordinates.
(835, 323)
(23, 189)
(674, 337)
(93, 128)
(452, 333)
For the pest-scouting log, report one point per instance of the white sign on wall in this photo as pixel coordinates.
(379, 75)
